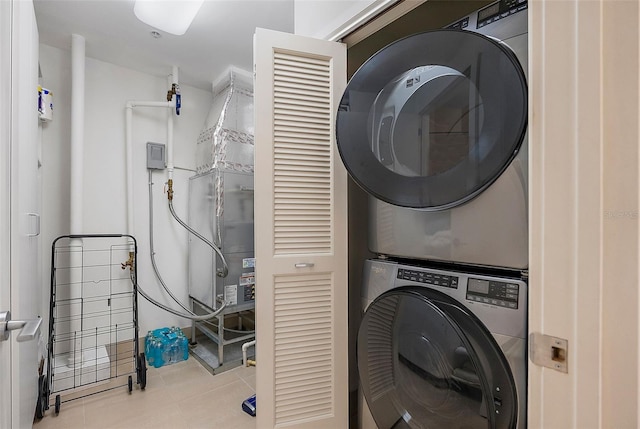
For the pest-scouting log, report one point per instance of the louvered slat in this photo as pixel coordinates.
(302, 148)
(316, 201)
(285, 103)
(307, 148)
(290, 167)
(319, 356)
(285, 172)
(295, 63)
(291, 217)
(303, 346)
(285, 112)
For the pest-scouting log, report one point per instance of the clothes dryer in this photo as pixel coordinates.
(434, 128)
(442, 349)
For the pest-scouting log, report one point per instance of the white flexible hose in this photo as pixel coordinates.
(225, 268)
(152, 249)
(171, 310)
(190, 315)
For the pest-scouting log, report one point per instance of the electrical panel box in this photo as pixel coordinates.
(156, 156)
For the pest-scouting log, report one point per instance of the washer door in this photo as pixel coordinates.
(433, 119)
(426, 362)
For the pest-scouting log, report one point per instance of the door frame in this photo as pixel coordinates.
(6, 13)
(20, 263)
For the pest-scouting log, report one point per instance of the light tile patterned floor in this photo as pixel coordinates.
(183, 395)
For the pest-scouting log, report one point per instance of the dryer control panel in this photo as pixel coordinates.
(493, 292)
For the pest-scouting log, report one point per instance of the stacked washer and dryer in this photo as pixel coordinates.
(434, 128)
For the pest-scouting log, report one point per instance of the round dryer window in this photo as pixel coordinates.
(426, 362)
(433, 119)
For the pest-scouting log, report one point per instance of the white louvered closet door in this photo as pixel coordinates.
(301, 234)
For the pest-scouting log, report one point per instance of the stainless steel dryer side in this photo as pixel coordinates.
(491, 229)
(435, 195)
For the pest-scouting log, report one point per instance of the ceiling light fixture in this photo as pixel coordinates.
(171, 16)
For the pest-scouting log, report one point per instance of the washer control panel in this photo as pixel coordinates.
(499, 10)
(499, 301)
(428, 278)
(479, 289)
(492, 292)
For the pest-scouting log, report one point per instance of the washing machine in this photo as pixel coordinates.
(434, 128)
(442, 349)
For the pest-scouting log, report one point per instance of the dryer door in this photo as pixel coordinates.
(426, 362)
(433, 119)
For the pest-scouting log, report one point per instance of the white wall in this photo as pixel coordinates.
(108, 87)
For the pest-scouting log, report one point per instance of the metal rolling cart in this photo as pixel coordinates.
(93, 321)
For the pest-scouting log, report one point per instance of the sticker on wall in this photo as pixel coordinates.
(248, 262)
(231, 294)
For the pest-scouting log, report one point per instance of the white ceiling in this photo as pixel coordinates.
(221, 35)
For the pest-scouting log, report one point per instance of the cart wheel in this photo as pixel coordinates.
(57, 408)
(142, 371)
(40, 404)
(130, 384)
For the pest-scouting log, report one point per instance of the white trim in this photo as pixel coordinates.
(359, 20)
(395, 11)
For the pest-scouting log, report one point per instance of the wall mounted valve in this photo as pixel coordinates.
(130, 262)
(175, 90)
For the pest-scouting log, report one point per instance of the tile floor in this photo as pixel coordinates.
(182, 395)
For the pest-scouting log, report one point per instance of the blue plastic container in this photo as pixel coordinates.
(165, 346)
(249, 405)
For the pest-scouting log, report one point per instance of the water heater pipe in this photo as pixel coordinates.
(174, 74)
(77, 131)
(170, 140)
(76, 192)
(245, 346)
(173, 79)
